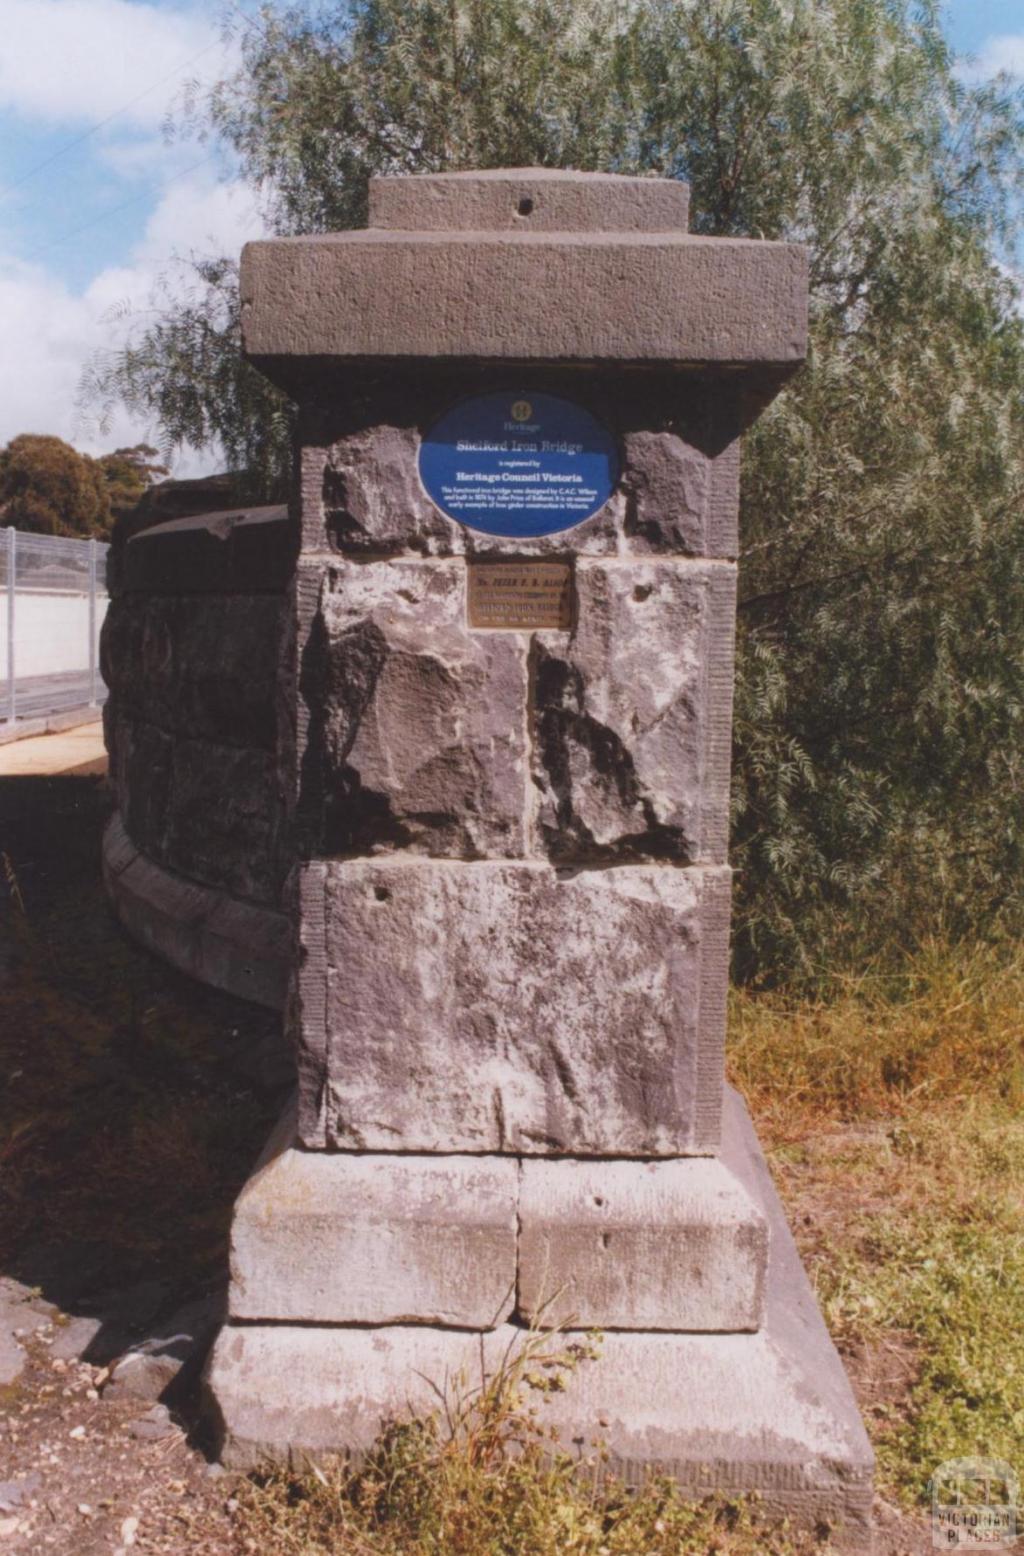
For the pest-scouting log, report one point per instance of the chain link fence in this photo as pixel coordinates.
(53, 597)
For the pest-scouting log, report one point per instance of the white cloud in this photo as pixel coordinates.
(65, 61)
(49, 332)
(1003, 52)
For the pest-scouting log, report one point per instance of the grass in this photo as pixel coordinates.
(893, 1116)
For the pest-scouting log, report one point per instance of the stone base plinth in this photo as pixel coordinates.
(770, 1411)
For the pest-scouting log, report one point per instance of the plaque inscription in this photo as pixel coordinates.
(527, 596)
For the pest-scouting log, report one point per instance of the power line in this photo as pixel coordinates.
(86, 134)
(117, 209)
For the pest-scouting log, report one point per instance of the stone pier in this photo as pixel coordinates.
(504, 720)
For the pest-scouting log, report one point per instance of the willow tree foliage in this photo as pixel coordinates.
(881, 693)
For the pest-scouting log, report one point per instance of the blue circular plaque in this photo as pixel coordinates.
(518, 464)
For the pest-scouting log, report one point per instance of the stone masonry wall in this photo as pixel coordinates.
(487, 816)
(190, 652)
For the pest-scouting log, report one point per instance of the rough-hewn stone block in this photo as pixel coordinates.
(632, 713)
(416, 726)
(640, 1245)
(666, 484)
(224, 819)
(512, 1007)
(373, 500)
(339, 1238)
(201, 667)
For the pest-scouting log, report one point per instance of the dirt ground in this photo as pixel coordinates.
(132, 1105)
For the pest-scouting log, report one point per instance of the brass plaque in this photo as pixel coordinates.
(523, 596)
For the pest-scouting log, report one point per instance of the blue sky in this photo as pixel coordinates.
(94, 200)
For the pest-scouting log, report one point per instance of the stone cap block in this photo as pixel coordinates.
(236, 551)
(534, 199)
(591, 298)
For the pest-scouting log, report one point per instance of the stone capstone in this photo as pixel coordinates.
(640, 1245)
(632, 713)
(649, 299)
(541, 199)
(511, 1007)
(416, 727)
(338, 1238)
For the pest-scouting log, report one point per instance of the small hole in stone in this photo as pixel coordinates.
(606, 1238)
(382, 894)
(642, 592)
(598, 1200)
(525, 206)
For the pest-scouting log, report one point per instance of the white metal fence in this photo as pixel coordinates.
(53, 597)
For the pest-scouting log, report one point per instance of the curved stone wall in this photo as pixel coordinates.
(196, 858)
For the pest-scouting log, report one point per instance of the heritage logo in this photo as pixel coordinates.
(974, 1505)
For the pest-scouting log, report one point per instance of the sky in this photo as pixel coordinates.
(97, 203)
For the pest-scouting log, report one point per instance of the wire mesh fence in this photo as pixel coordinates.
(53, 597)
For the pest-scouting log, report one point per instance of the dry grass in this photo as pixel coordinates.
(894, 1120)
(944, 1029)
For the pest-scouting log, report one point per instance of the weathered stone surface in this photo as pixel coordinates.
(241, 947)
(416, 727)
(214, 813)
(338, 1238)
(73, 1339)
(643, 298)
(544, 199)
(373, 500)
(140, 772)
(200, 667)
(771, 1412)
(509, 1007)
(224, 819)
(640, 1245)
(632, 714)
(666, 484)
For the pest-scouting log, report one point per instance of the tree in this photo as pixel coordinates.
(882, 578)
(48, 487)
(128, 473)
